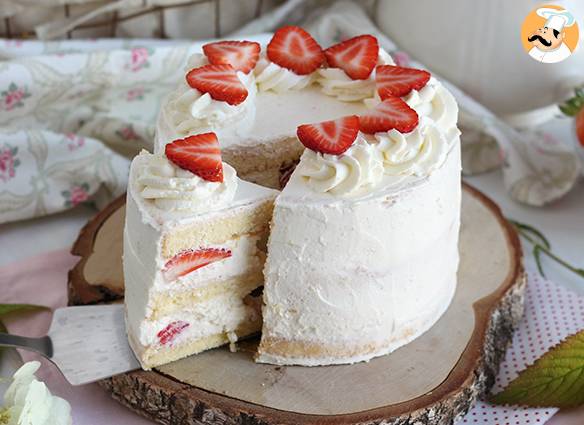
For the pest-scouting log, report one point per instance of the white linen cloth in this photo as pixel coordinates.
(73, 112)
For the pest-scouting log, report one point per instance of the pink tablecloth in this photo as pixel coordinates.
(552, 313)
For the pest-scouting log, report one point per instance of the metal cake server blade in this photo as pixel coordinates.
(86, 343)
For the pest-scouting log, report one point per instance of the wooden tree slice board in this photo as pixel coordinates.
(432, 380)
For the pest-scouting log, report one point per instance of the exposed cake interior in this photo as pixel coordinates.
(169, 315)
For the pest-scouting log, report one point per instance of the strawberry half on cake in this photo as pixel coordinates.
(194, 249)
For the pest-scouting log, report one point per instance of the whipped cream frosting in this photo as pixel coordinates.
(169, 188)
(335, 82)
(271, 76)
(416, 153)
(357, 170)
(188, 111)
(435, 102)
(360, 275)
(424, 149)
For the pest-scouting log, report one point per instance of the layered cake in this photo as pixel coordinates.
(362, 251)
(194, 249)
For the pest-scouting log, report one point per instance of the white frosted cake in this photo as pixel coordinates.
(362, 253)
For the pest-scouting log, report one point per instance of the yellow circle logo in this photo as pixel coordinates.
(550, 34)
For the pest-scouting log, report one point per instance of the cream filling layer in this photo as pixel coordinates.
(220, 314)
(245, 258)
(223, 312)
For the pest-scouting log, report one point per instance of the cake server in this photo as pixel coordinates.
(86, 343)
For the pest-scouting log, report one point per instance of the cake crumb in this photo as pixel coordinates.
(232, 337)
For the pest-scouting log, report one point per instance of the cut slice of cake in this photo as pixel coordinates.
(194, 249)
(363, 247)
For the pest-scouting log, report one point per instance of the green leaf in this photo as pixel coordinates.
(572, 106)
(530, 229)
(555, 380)
(568, 110)
(537, 256)
(542, 245)
(18, 308)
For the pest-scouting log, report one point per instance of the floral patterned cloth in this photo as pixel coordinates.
(72, 114)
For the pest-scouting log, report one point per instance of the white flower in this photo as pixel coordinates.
(28, 401)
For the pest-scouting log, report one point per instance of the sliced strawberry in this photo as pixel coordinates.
(356, 56)
(294, 49)
(580, 126)
(241, 55)
(200, 154)
(170, 332)
(220, 81)
(398, 81)
(391, 113)
(190, 260)
(332, 137)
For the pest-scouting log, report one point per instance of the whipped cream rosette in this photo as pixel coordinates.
(357, 170)
(170, 188)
